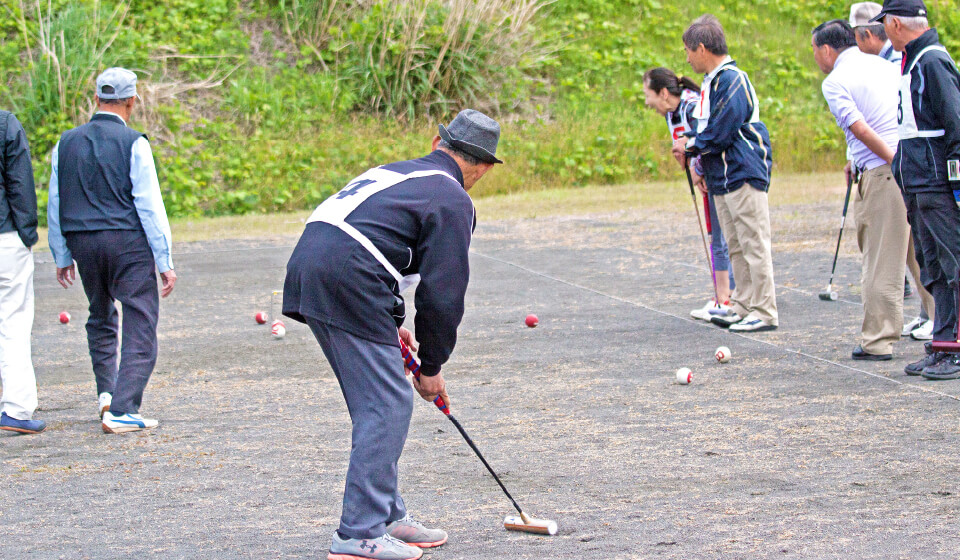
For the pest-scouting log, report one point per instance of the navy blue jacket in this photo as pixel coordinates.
(734, 144)
(93, 172)
(921, 164)
(422, 225)
(18, 195)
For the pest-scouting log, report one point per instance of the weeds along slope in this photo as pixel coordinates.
(272, 105)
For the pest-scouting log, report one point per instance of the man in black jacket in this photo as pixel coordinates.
(18, 232)
(927, 167)
(360, 249)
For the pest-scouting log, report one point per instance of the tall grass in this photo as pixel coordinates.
(425, 57)
(63, 49)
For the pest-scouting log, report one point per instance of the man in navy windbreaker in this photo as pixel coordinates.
(736, 161)
(927, 167)
(359, 250)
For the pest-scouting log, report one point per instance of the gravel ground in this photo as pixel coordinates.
(791, 450)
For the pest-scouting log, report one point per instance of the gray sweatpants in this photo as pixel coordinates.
(380, 401)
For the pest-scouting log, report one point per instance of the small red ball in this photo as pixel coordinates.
(64, 317)
(532, 320)
(260, 318)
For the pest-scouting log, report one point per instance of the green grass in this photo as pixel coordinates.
(674, 195)
(247, 118)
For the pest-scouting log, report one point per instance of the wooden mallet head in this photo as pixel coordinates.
(528, 524)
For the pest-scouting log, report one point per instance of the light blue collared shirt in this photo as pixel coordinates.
(864, 87)
(146, 198)
(889, 54)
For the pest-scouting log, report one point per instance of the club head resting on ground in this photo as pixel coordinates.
(530, 525)
(828, 295)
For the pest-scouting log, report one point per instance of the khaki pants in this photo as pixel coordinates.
(882, 235)
(745, 219)
(926, 299)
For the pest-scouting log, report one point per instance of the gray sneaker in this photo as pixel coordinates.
(947, 368)
(381, 548)
(412, 532)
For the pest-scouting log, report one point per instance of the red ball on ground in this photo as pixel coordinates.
(64, 317)
(260, 317)
(532, 320)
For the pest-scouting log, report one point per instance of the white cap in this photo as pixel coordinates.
(862, 12)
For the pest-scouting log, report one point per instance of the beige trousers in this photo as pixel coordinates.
(882, 235)
(745, 220)
(926, 299)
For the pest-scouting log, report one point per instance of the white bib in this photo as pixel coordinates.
(335, 210)
(702, 113)
(906, 120)
(677, 129)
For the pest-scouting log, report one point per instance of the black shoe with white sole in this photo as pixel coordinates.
(859, 354)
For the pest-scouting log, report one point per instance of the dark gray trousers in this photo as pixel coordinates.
(118, 265)
(935, 220)
(380, 401)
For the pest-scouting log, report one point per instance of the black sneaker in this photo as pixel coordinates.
(916, 368)
(946, 368)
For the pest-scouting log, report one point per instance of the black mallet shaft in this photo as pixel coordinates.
(524, 523)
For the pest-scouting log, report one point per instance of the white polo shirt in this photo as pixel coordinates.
(864, 87)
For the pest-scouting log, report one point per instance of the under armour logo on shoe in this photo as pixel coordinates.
(367, 545)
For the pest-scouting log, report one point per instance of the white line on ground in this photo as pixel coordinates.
(704, 270)
(705, 325)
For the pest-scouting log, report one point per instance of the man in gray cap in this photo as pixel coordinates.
(871, 38)
(105, 212)
(361, 248)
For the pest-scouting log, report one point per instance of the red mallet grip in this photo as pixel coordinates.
(414, 367)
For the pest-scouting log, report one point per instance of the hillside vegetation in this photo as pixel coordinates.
(270, 105)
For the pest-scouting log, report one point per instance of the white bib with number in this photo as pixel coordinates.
(335, 209)
(906, 120)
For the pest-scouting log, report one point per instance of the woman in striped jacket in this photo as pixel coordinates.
(675, 98)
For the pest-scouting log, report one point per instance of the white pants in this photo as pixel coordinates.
(19, 398)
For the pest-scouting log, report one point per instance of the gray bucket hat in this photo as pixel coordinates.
(474, 133)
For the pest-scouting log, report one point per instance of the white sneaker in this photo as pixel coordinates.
(911, 326)
(709, 310)
(126, 423)
(923, 332)
(752, 324)
(103, 403)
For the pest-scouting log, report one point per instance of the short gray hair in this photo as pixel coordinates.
(875, 29)
(916, 23)
(707, 31)
(468, 158)
(115, 101)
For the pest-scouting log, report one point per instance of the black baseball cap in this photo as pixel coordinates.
(902, 8)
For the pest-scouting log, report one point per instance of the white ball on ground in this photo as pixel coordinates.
(722, 354)
(278, 329)
(684, 376)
